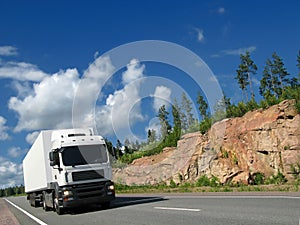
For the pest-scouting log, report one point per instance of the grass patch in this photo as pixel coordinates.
(193, 188)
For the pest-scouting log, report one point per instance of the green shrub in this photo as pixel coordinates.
(205, 125)
(258, 178)
(203, 181)
(214, 181)
(279, 178)
(173, 184)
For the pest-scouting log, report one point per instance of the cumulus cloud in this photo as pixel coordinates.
(162, 96)
(50, 104)
(15, 152)
(94, 78)
(3, 129)
(123, 106)
(31, 137)
(134, 71)
(11, 174)
(8, 51)
(22, 88)
(21, 71)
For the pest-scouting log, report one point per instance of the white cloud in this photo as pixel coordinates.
(200, 35)
(30, 138)
(15, 152)
(11, 174)
(8, 51)
(162, 96)
(50, 105)
(23, 88)
(239, 50)
(21, 71)
(3, 129)
(133, 72)
(123, 106)
(94, 78)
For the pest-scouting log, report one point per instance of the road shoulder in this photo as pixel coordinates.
(6, 216)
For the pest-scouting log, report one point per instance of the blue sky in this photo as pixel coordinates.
(49, 49)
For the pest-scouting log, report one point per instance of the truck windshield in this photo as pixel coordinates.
(82, 155)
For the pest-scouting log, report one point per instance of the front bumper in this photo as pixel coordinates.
(87, 194)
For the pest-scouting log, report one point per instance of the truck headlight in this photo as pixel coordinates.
(111, 187)
(67, 193)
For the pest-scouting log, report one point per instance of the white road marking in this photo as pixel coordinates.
(178, 209)
(27, 213)
(235, 197)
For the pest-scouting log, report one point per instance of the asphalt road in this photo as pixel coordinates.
(181, 209)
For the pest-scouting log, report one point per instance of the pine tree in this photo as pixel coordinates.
(177, 122)
(127, 143)
(151, 136)
(244, 72)
(202, 106)
(278, 70)
(187, 115)
(164, 123)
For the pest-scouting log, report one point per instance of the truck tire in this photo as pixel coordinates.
(58, 210)
(32, 200)
(45, 207)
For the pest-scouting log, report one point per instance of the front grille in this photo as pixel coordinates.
(90, 190)
(87, 175)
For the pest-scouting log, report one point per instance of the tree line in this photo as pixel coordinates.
(10, 191)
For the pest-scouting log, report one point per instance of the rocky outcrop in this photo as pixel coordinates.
(265, 141)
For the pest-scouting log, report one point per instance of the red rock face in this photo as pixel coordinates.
(265, 141)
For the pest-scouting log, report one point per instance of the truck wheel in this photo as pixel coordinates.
(32, 200)
(58, 210)
(45, 207)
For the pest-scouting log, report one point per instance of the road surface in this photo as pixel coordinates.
(181, 209)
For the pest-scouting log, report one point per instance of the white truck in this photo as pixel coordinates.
(68, 168)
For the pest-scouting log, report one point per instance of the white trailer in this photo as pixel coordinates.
(66, 169)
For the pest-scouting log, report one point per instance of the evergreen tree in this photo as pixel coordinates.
(137, 145)
(202, 106)
(127, 143)
(164, 123)
(186, 107)
(246, 69)
(267, 85)
(151, 136)
(119, 144)
(110, 147)
(177, 122)
(278, 70)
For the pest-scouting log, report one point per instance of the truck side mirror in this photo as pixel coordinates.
(54, 159)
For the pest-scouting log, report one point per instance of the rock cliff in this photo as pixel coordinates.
(233, 150)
